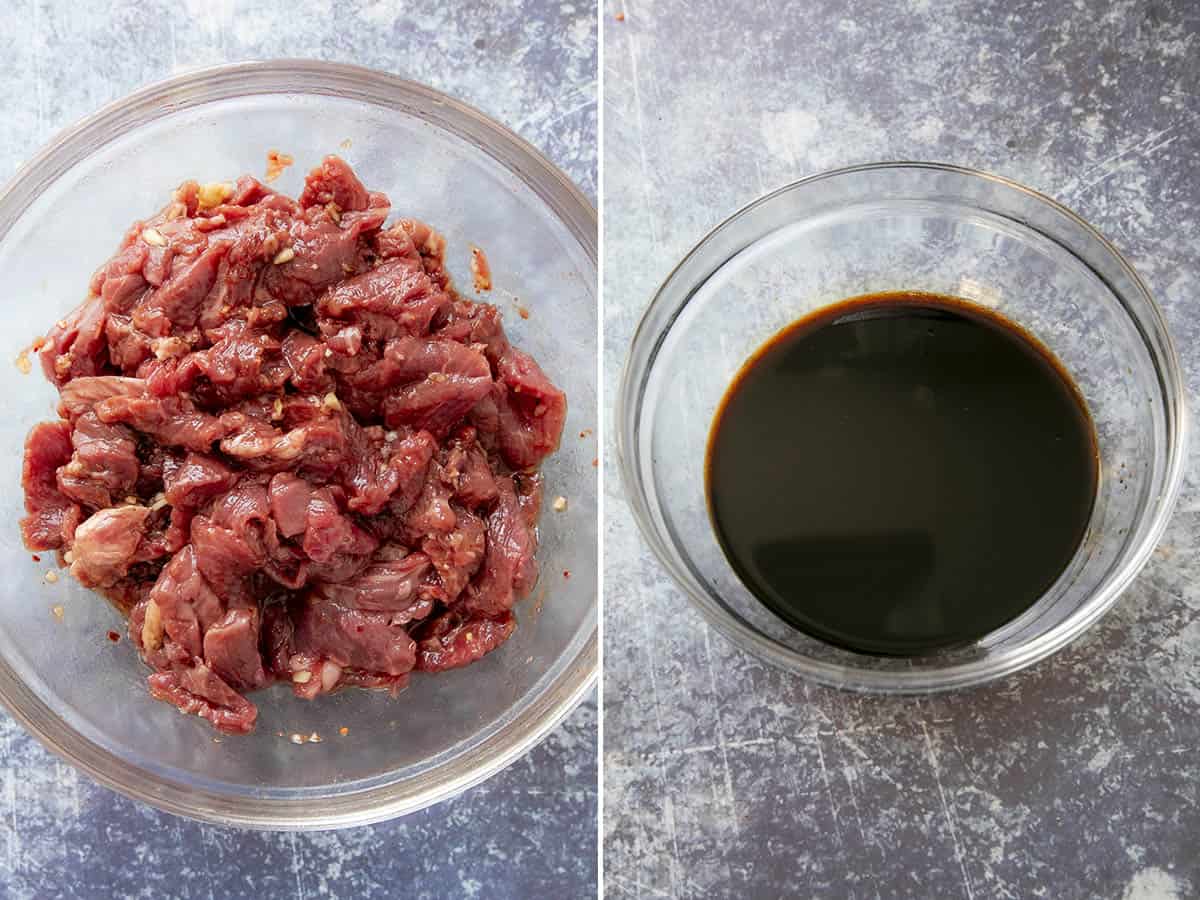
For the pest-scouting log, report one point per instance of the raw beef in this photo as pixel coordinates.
(289, 449)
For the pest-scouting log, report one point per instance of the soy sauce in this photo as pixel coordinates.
(901, 473)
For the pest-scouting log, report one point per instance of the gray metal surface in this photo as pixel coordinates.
(531, 830)
(1077, 778)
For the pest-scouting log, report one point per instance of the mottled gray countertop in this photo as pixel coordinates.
(530, 831)
(1077, 778)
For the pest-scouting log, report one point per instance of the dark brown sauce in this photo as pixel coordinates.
(901, 473)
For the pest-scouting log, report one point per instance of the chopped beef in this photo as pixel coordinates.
(104, 466)
(288, 449)
(334, 182)
(509, 569)
(185, 604)
(51, 517)
(197, 689)
(454, 639)
(387, 468)
(457, 555)
(289, 504)
(79, 395)
(532, 411)
(231, 648)
(196, 479)
(105, 544)
(391, 583)
(467, 470)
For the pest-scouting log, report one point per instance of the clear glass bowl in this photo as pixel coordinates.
(905, 226)
(441, 161)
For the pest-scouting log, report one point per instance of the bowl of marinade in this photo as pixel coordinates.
(902, 427)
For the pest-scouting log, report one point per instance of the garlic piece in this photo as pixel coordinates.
(214, 194)
(152, 628)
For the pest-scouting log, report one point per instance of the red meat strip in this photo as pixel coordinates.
(105, 544)
(200, 691)
(509, 570)
(457, 554)
(391, 584)
(196, 480)
(353, 638)
(171, 421)
(187, 606)
(532, 411)
(334, 182)
(231, 649)
(51, 516)
(395, 297)
(467, 471)
(103, 469)
(389, 469)
(76, 345)
(80, 395)
(453, 640)
(289, 498)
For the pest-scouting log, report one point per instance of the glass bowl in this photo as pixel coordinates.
(904, 226)
(441, 161)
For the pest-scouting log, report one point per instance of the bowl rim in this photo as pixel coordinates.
(513, 737)
(647, 340)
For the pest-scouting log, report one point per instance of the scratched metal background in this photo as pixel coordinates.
(531, 830)
(1079, 778)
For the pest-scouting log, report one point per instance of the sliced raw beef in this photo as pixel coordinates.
(288, 449)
